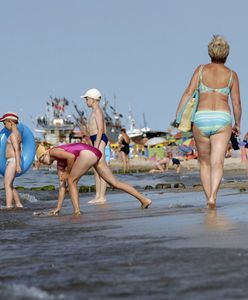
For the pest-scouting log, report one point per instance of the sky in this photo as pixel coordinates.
(140, 54)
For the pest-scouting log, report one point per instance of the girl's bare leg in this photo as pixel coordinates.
(104, 171)
(9, 177)
(178, 168)
(203, 148)
(219, 143)
(160, 167)
(17, 199)
(85, 160)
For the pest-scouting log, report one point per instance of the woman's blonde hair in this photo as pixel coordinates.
(218, 49)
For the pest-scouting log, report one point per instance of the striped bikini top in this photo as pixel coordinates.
(205, 89)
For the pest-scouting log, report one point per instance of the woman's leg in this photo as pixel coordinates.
(123, 158)
(85, 160)
(219, 143)
(203, 148)
(9, 177)
(127, 162)
(104, 171)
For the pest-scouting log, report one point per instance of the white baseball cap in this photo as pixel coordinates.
(92, 93)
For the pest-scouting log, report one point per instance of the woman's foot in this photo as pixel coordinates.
(146, 203)
(211, 205)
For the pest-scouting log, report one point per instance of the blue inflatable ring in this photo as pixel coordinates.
(28, 148)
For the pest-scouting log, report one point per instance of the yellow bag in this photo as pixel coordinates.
(187, 114)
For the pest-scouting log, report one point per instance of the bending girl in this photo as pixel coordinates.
(73, 161)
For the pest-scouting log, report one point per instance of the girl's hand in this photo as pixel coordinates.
(18, 169)
(54, 212)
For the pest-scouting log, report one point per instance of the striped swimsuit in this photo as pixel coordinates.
(212, 121)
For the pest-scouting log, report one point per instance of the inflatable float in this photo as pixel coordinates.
(28, 148)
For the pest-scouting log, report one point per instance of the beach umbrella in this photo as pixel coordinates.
(155, 140)
(188, 142)
(181, 135)
(185, 149)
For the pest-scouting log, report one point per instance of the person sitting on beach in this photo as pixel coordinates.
(13, 157)
(212, 126)
(73, 161)
(161, 165)
(175, 162)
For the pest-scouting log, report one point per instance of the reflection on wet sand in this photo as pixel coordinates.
(215, 221)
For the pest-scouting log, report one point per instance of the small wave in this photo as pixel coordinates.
(21, 291)
(180, 206)
(28, 197)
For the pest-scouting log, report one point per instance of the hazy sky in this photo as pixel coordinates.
(142, 51)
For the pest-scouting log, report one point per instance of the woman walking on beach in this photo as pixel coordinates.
(124, 141)
(213, 123)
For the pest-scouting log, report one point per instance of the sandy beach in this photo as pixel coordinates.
(233, 163)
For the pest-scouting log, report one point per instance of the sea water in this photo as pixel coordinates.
(176, 249)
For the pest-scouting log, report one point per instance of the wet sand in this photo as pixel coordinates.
(177, 249)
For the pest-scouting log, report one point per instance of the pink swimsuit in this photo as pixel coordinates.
(75, 149)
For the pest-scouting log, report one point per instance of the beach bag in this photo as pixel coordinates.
(186, 115)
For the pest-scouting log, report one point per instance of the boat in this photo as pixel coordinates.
(141, 135)
(57, 126)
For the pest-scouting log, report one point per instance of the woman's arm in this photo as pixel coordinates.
(127, 138)
(62, 191)
(189, 90)
(120, 139)
(236, 103)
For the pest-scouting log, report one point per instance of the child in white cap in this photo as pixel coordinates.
(98, 137)
(13, 158)
(97, 130)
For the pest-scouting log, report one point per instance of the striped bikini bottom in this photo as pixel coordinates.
(210, 122)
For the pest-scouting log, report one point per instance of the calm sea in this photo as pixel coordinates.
(174, 250)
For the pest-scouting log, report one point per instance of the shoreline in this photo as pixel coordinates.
(232, 163)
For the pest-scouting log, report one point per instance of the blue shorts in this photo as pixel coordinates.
(104, 138)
